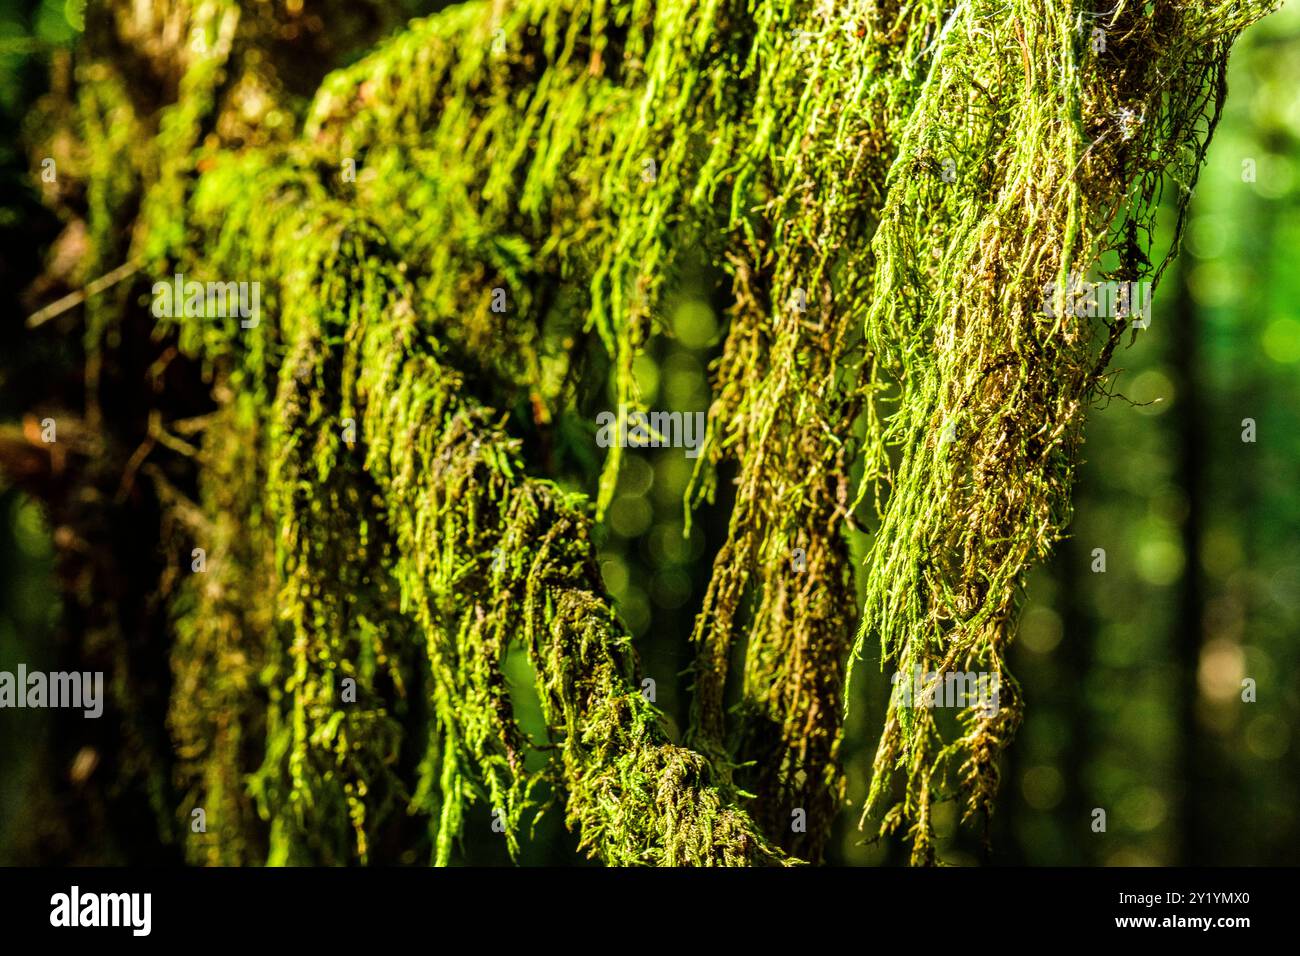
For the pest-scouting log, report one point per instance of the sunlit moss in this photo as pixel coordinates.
(496, 193)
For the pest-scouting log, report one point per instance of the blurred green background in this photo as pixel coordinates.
(1132, 677)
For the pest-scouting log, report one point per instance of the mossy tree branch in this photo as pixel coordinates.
(887, 325)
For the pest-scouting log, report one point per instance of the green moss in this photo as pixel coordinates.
(991, 392)
(887, 246)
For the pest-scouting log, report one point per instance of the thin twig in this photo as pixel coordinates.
(73, 299)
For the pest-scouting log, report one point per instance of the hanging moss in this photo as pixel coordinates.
(224, 639)
(451, 487)
(992, 386)
(887, 246)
